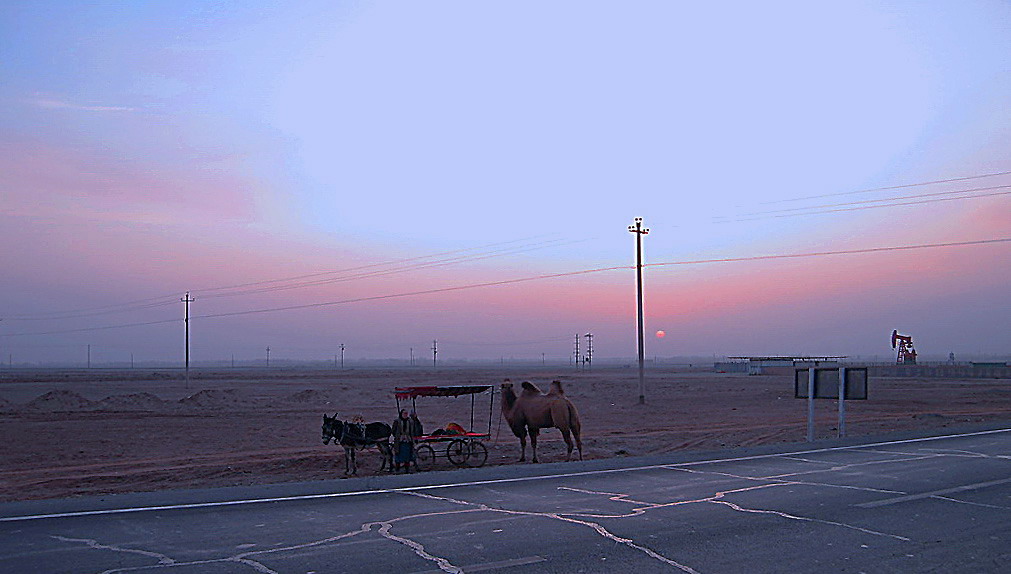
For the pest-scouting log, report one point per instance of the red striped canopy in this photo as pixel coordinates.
(454, 391)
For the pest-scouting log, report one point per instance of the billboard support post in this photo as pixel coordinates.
(842, 402)
(810, 404)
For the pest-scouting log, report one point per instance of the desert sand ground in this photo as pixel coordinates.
(86, 432)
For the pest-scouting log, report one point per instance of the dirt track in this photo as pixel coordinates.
(70, 433)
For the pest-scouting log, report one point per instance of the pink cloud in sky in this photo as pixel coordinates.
(45, 181)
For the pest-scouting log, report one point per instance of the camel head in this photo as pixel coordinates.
(508, 395)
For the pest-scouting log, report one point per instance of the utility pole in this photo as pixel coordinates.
(412, 356)
(268, 357)
(639, 231)
(589, 350)
(435, 352)
(131, 360)
(89, 355)
(342, 356)
(542, 359)
(186, 321)
(575, 354)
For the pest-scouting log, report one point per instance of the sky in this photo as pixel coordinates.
(384, 174)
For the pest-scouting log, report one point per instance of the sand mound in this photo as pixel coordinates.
(212, 398)
(131, 402)
(308, 396)
(60, 401)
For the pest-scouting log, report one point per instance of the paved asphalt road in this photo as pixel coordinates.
(923, 505)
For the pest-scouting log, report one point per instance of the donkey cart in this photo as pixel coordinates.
(461, 447)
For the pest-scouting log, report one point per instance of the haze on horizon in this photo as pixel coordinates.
(389, 158)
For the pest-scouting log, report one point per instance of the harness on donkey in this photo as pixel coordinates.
(354, 435)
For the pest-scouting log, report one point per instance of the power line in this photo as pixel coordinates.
(884, 200)
(886, 188)
(162, 301)
(862, 207)
(535, 278)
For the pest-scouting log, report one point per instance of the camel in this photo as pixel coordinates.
(533, 410)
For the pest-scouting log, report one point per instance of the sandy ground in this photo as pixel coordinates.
(72, 433)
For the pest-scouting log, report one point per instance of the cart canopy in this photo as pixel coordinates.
(453, 391)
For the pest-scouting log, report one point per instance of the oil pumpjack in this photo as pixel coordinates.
(906, 353)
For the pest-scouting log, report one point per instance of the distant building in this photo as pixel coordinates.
(785, 365)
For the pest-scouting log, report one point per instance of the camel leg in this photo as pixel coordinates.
(523, 447)
(579, 441)
(533, 442)
(568, 442)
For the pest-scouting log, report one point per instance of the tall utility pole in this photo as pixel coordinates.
(435, 352)
(412, 356)
(268, 357)
(589, 349)
(186, 321)
(575, 354)
(89, 356)
(639, 231)
(342, 356)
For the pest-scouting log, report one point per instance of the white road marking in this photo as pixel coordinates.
(560, 516)
(479, 482)
(910, 497)
(495, 565)
(162, 559)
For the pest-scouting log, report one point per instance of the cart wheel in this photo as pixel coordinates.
(424, 456)
(457, 452)
(478, 454)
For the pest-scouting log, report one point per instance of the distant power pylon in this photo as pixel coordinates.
(342, 356)
(435, 352)
(575, 353)
(588, 359)
(268, 356)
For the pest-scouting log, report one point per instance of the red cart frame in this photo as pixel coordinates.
(465, 449)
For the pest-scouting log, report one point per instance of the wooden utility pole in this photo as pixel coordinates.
(435, 353)
(186, 321)
(639, 231)
(342, 356)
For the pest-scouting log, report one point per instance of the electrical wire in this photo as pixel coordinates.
(534, 278)
(884, 200)
(889, 187)
(154, 302)
(863, 207)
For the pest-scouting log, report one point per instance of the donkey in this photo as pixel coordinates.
(353, 436)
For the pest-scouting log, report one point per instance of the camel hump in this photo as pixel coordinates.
(556, 388)
(529, 387)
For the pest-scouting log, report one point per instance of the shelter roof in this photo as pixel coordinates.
(793, 358)
(450, 391)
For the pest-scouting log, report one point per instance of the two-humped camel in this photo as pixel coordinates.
(533, 410)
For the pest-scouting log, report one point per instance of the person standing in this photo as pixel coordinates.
(404, 432)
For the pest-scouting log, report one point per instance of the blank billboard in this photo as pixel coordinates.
(826, 383)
